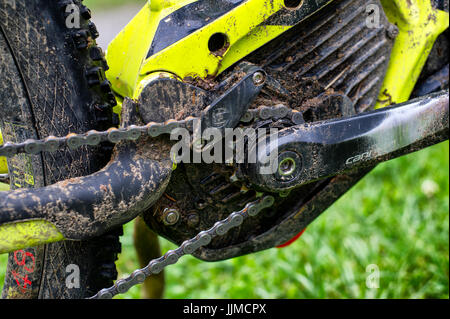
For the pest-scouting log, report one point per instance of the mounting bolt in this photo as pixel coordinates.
(392, 32)
(289, 166)
(259, 78)
(193, 219)
(286, 166)
(170, 216)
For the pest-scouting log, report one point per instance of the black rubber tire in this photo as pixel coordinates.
(52, 82)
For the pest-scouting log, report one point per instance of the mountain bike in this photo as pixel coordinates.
(225, 126)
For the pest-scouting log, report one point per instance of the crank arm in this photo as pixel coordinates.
(86, 207)
(309, 152)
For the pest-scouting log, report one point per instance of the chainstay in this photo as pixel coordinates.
(134, 132)
(186, 248)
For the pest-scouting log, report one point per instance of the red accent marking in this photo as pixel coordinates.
(23, 262)
(290, 241)
(30, 270)
(20, 257)
(26, 282)
(18, 277)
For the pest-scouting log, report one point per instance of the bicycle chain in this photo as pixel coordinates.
(186, 248)
(133, 132)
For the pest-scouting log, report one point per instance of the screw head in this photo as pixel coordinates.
(259, 78)
(392, 32)
(193, 219)
(170, 216)
(286, 166)
(289, 166)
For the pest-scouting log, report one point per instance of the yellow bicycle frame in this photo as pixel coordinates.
(419, 26)
(130, 67)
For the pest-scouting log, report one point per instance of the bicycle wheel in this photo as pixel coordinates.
(52, 82)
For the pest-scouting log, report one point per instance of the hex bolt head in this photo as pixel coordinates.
(259, 78)
(392, 32)
(170, 216)
(193, 219)
(289, 166)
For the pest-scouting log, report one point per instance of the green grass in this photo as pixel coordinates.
(396, 217)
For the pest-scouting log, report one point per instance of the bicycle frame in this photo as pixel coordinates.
(148, 48)
(145, 49)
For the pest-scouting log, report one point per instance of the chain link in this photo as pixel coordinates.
(186, 248)
(133, 132)
(91, 138)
